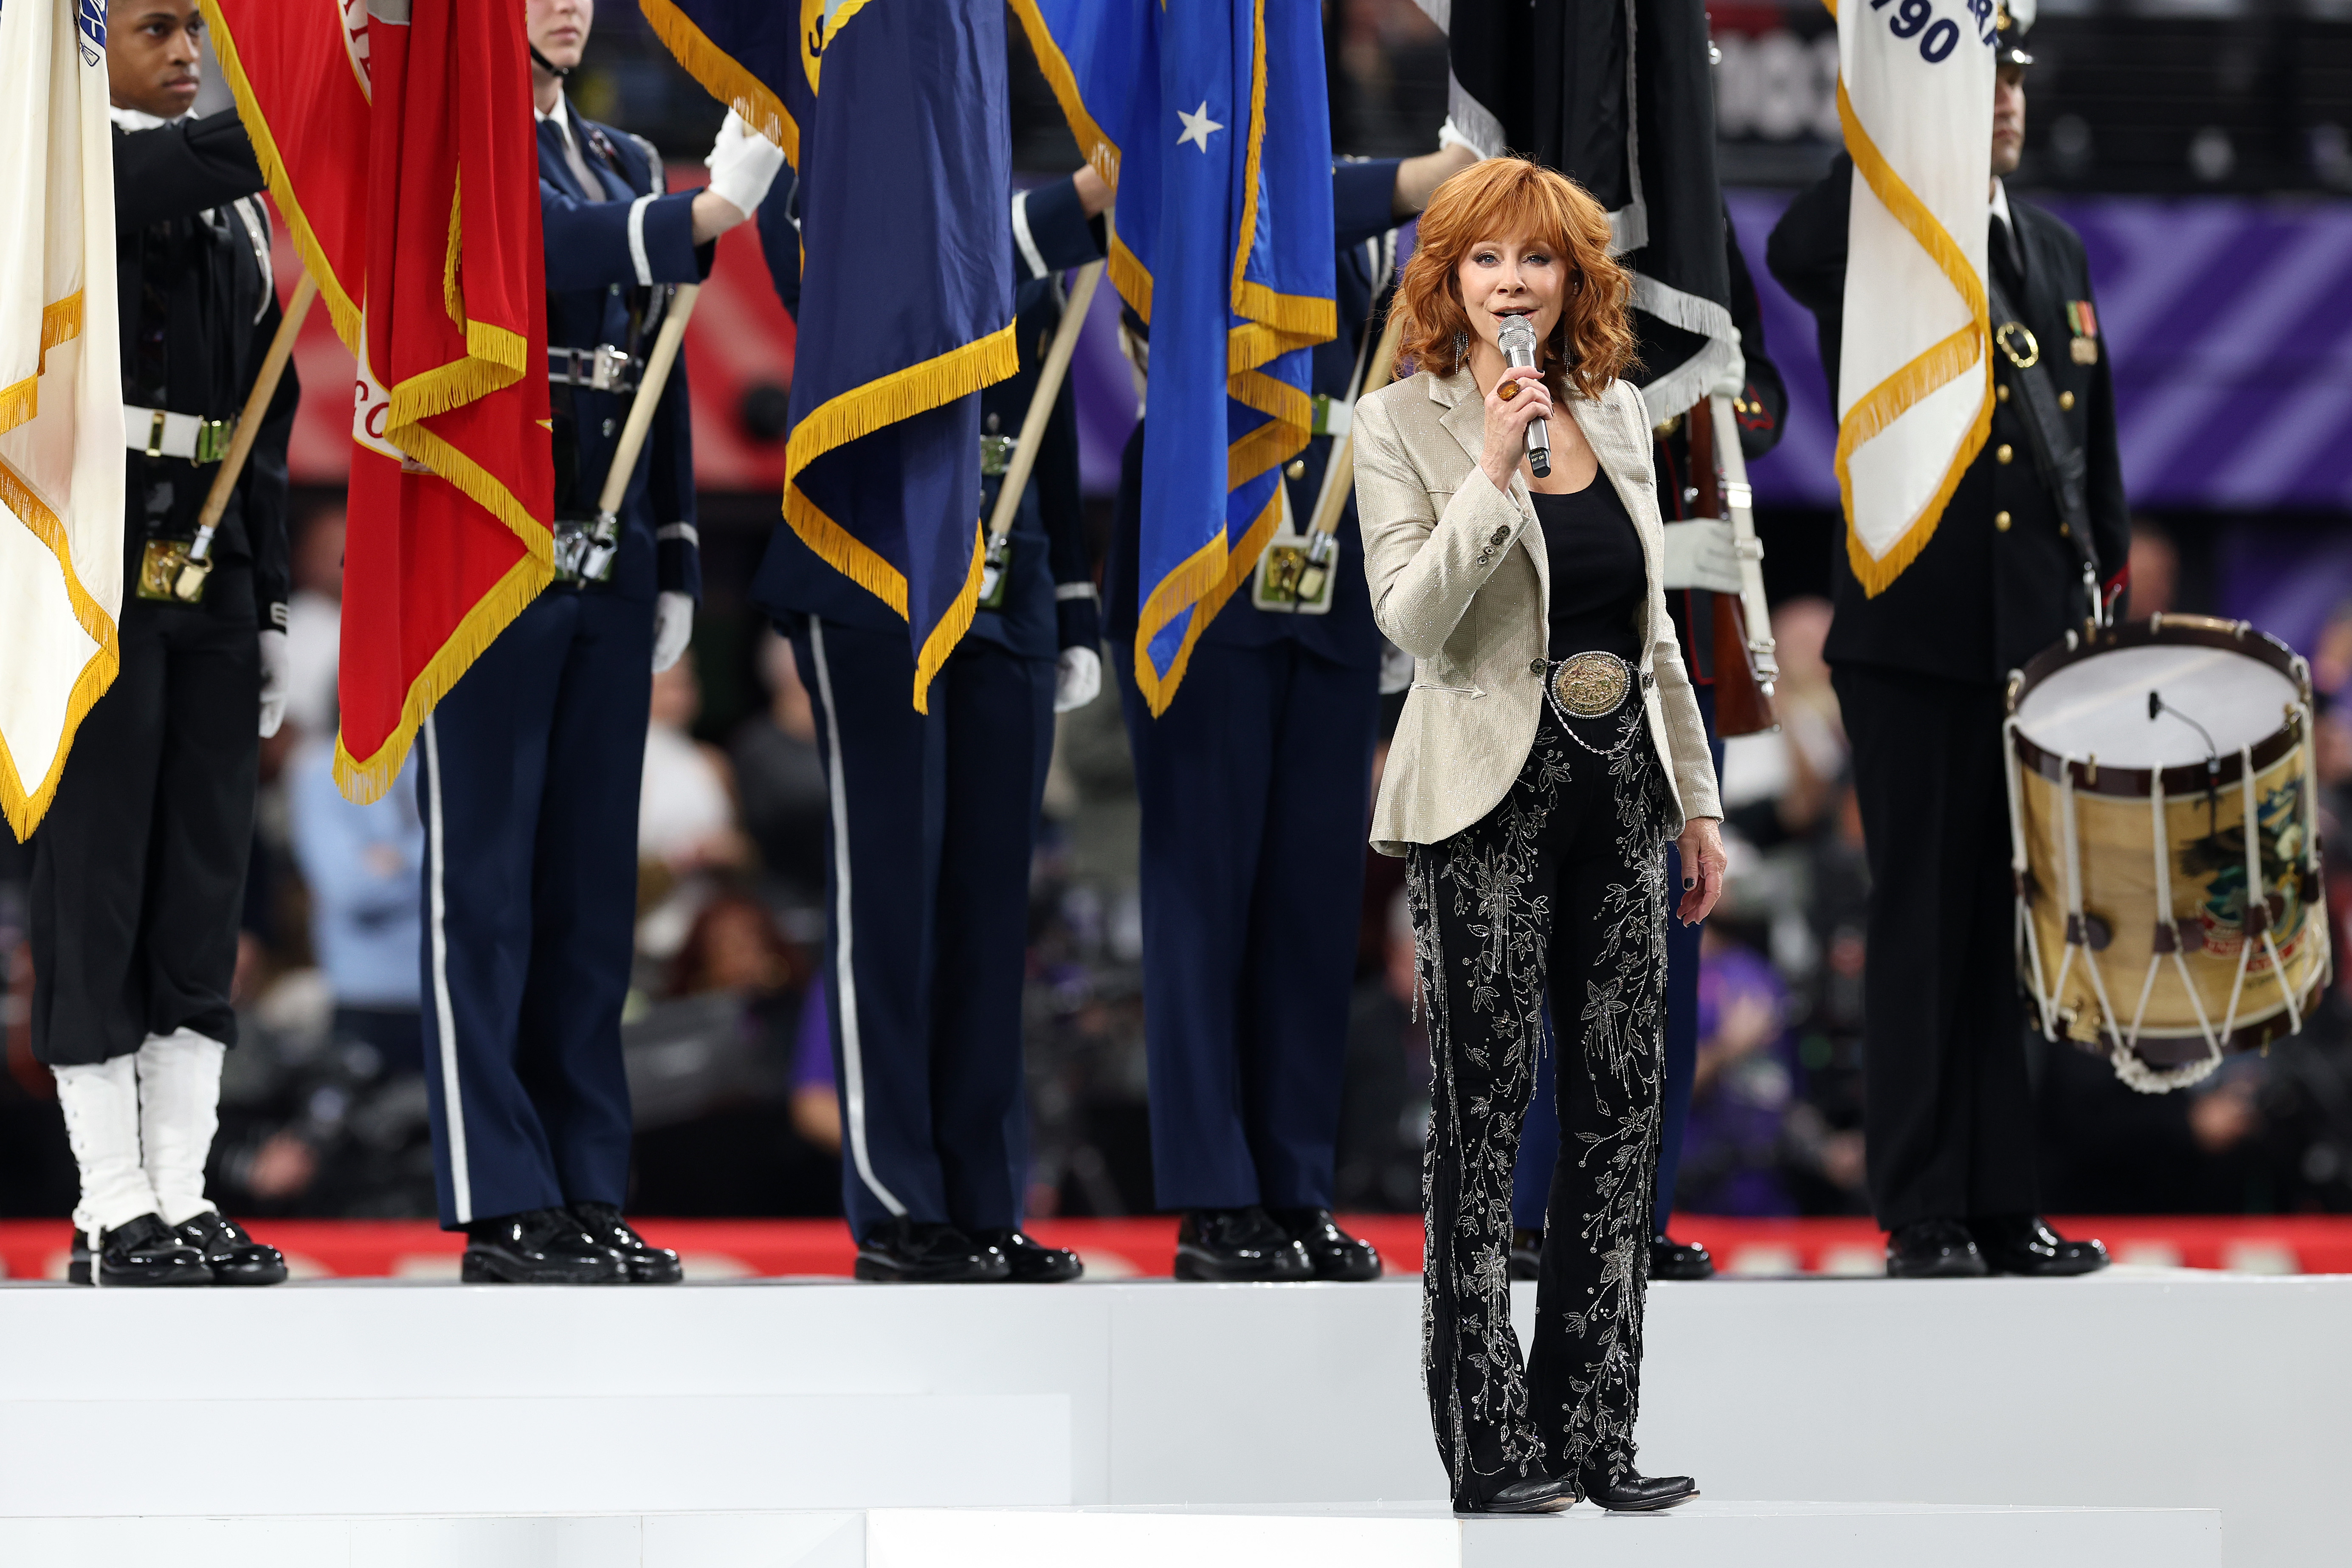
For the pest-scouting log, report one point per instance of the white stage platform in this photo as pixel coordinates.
(1702, 1534)
(317, 1407)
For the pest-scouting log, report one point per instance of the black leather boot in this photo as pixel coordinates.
(913, 1252)
(1537, 1494)
(1334, 1254)
(538, 1247)
(1526, 1255)
(143, 1251)
(1237, 1244)
(1032, 1261)
(1634, 1492)
(230, 1251)
(2024, 1244)
(1671, 1259)
(647, 1264)
(1933, 1249)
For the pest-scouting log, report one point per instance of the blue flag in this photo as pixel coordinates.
(1209, 118)
(894, 114)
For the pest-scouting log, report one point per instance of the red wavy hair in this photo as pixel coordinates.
(1590, 345)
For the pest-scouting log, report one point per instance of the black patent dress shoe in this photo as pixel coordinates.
(1526, 1255)
(647, 1264)
(230, 1251)
(1032, 1261)
(538, 1247)
(1933, 1249)
(143, 1251)
(1537, 1494)
(1634, 1492)
(2024, 1244)
(1672, 1259)
(1333, 1252)
(914, 1252)
(1228, 1245)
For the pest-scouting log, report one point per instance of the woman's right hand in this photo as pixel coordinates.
(1506, 422)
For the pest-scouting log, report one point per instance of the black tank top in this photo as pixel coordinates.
(1598, 577)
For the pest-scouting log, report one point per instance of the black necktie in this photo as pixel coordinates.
(2008, 265)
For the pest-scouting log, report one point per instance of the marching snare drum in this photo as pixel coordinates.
(2150, 924)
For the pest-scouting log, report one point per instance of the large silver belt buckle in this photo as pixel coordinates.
(1591, 684)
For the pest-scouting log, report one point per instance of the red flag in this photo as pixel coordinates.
(399, 144)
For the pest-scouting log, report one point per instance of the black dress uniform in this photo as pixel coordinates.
(139, 870)
(1255, 787)
(934, 820)
(531, 765)
(1919, 672)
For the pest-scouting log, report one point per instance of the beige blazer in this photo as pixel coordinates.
(1460, 582)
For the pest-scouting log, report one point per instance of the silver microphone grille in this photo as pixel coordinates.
(1517, 336)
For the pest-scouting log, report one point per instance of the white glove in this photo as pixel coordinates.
(277, 675)
(673, 629)
(1396, 669)
(1700, 554)
(743, 164)
(1733, 382)
(1078, 679)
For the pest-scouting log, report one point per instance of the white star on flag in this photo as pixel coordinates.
(1197, 126)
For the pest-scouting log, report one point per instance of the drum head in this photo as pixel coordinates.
(2097, 707)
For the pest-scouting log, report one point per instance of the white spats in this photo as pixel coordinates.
(179, 1110)
(101, 1110)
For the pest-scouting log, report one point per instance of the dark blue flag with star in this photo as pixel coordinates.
(894, 114)
(1209, 118)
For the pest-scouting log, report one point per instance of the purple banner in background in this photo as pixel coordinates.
(2230, 323)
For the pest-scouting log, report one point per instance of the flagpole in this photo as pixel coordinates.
(1041, 401)
(658, 365)
(1339, 473)
(1761, 649)
(190, 584)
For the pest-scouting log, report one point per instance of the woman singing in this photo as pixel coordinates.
(1550, 748)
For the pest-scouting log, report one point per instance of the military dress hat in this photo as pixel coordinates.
(2014, 18)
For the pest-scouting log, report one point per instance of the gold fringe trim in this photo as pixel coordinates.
(1130, 278)
(1093, 145)
(952, 624)
(20, 403)
(61, 324)
(1941, 363)
(341, 309)
(843, 551)
(902, 394)
(1230, 572)
(484, 490)
(494, 357)
(1251, 160)
(23, 806)
(366, 779)
(724, 78)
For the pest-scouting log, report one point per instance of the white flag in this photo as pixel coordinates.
(61, 461)
(1915, 387)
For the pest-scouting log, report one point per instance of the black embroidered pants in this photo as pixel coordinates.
(1561, 887)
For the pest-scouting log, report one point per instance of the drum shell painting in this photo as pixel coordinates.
(2205, 852)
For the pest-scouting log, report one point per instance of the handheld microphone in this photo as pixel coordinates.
(1517, 339)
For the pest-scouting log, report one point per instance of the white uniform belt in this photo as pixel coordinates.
(162, 433)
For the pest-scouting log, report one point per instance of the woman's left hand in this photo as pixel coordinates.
(1701, 847)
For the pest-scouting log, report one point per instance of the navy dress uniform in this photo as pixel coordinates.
(138, 870)
(1256, 785)
(1920, 671)
(1759, 411)
(532, 763)
(934, 820)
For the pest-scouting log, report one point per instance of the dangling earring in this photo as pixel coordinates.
(1461, 346)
